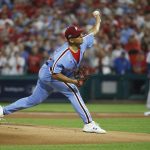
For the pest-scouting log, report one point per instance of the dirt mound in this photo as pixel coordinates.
(28, 134)
(70, 115)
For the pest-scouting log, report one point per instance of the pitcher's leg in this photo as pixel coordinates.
(39, 94)
(72, 93)
(78, 103)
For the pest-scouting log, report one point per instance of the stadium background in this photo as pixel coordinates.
(30, 31)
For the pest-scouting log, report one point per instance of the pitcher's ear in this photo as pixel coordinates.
(70, 40)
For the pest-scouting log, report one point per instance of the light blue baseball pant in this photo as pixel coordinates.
(44, 87)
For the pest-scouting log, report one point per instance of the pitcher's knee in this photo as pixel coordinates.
(34, 100)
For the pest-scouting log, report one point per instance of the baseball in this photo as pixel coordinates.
(96, 12)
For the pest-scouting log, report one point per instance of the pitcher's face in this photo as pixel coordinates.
(77, 41)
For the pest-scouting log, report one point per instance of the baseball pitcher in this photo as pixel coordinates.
(57, 73)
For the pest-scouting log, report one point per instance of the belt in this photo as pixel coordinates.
(47, 65)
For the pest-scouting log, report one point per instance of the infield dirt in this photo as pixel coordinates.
(30, 134)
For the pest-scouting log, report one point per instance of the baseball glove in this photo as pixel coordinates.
(82, 74)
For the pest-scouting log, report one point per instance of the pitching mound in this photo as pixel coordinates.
(28, 134)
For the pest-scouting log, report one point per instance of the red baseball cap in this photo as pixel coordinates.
(72, 32)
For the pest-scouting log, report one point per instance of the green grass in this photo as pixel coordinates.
(113, 146)
(113, 108)
(92, 107)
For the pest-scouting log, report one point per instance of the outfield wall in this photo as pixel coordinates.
(98, 87)
(116, 87)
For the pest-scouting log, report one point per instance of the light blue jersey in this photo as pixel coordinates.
(62, 62)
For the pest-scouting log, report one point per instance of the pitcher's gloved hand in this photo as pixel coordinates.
(82, 74)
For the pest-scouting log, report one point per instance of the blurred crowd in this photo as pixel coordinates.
(30, 31)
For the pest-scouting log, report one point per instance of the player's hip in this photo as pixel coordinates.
(45, 74)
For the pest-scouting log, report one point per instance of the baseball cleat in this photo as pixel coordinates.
(1, 112)
(93, 128)
(147, 113)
